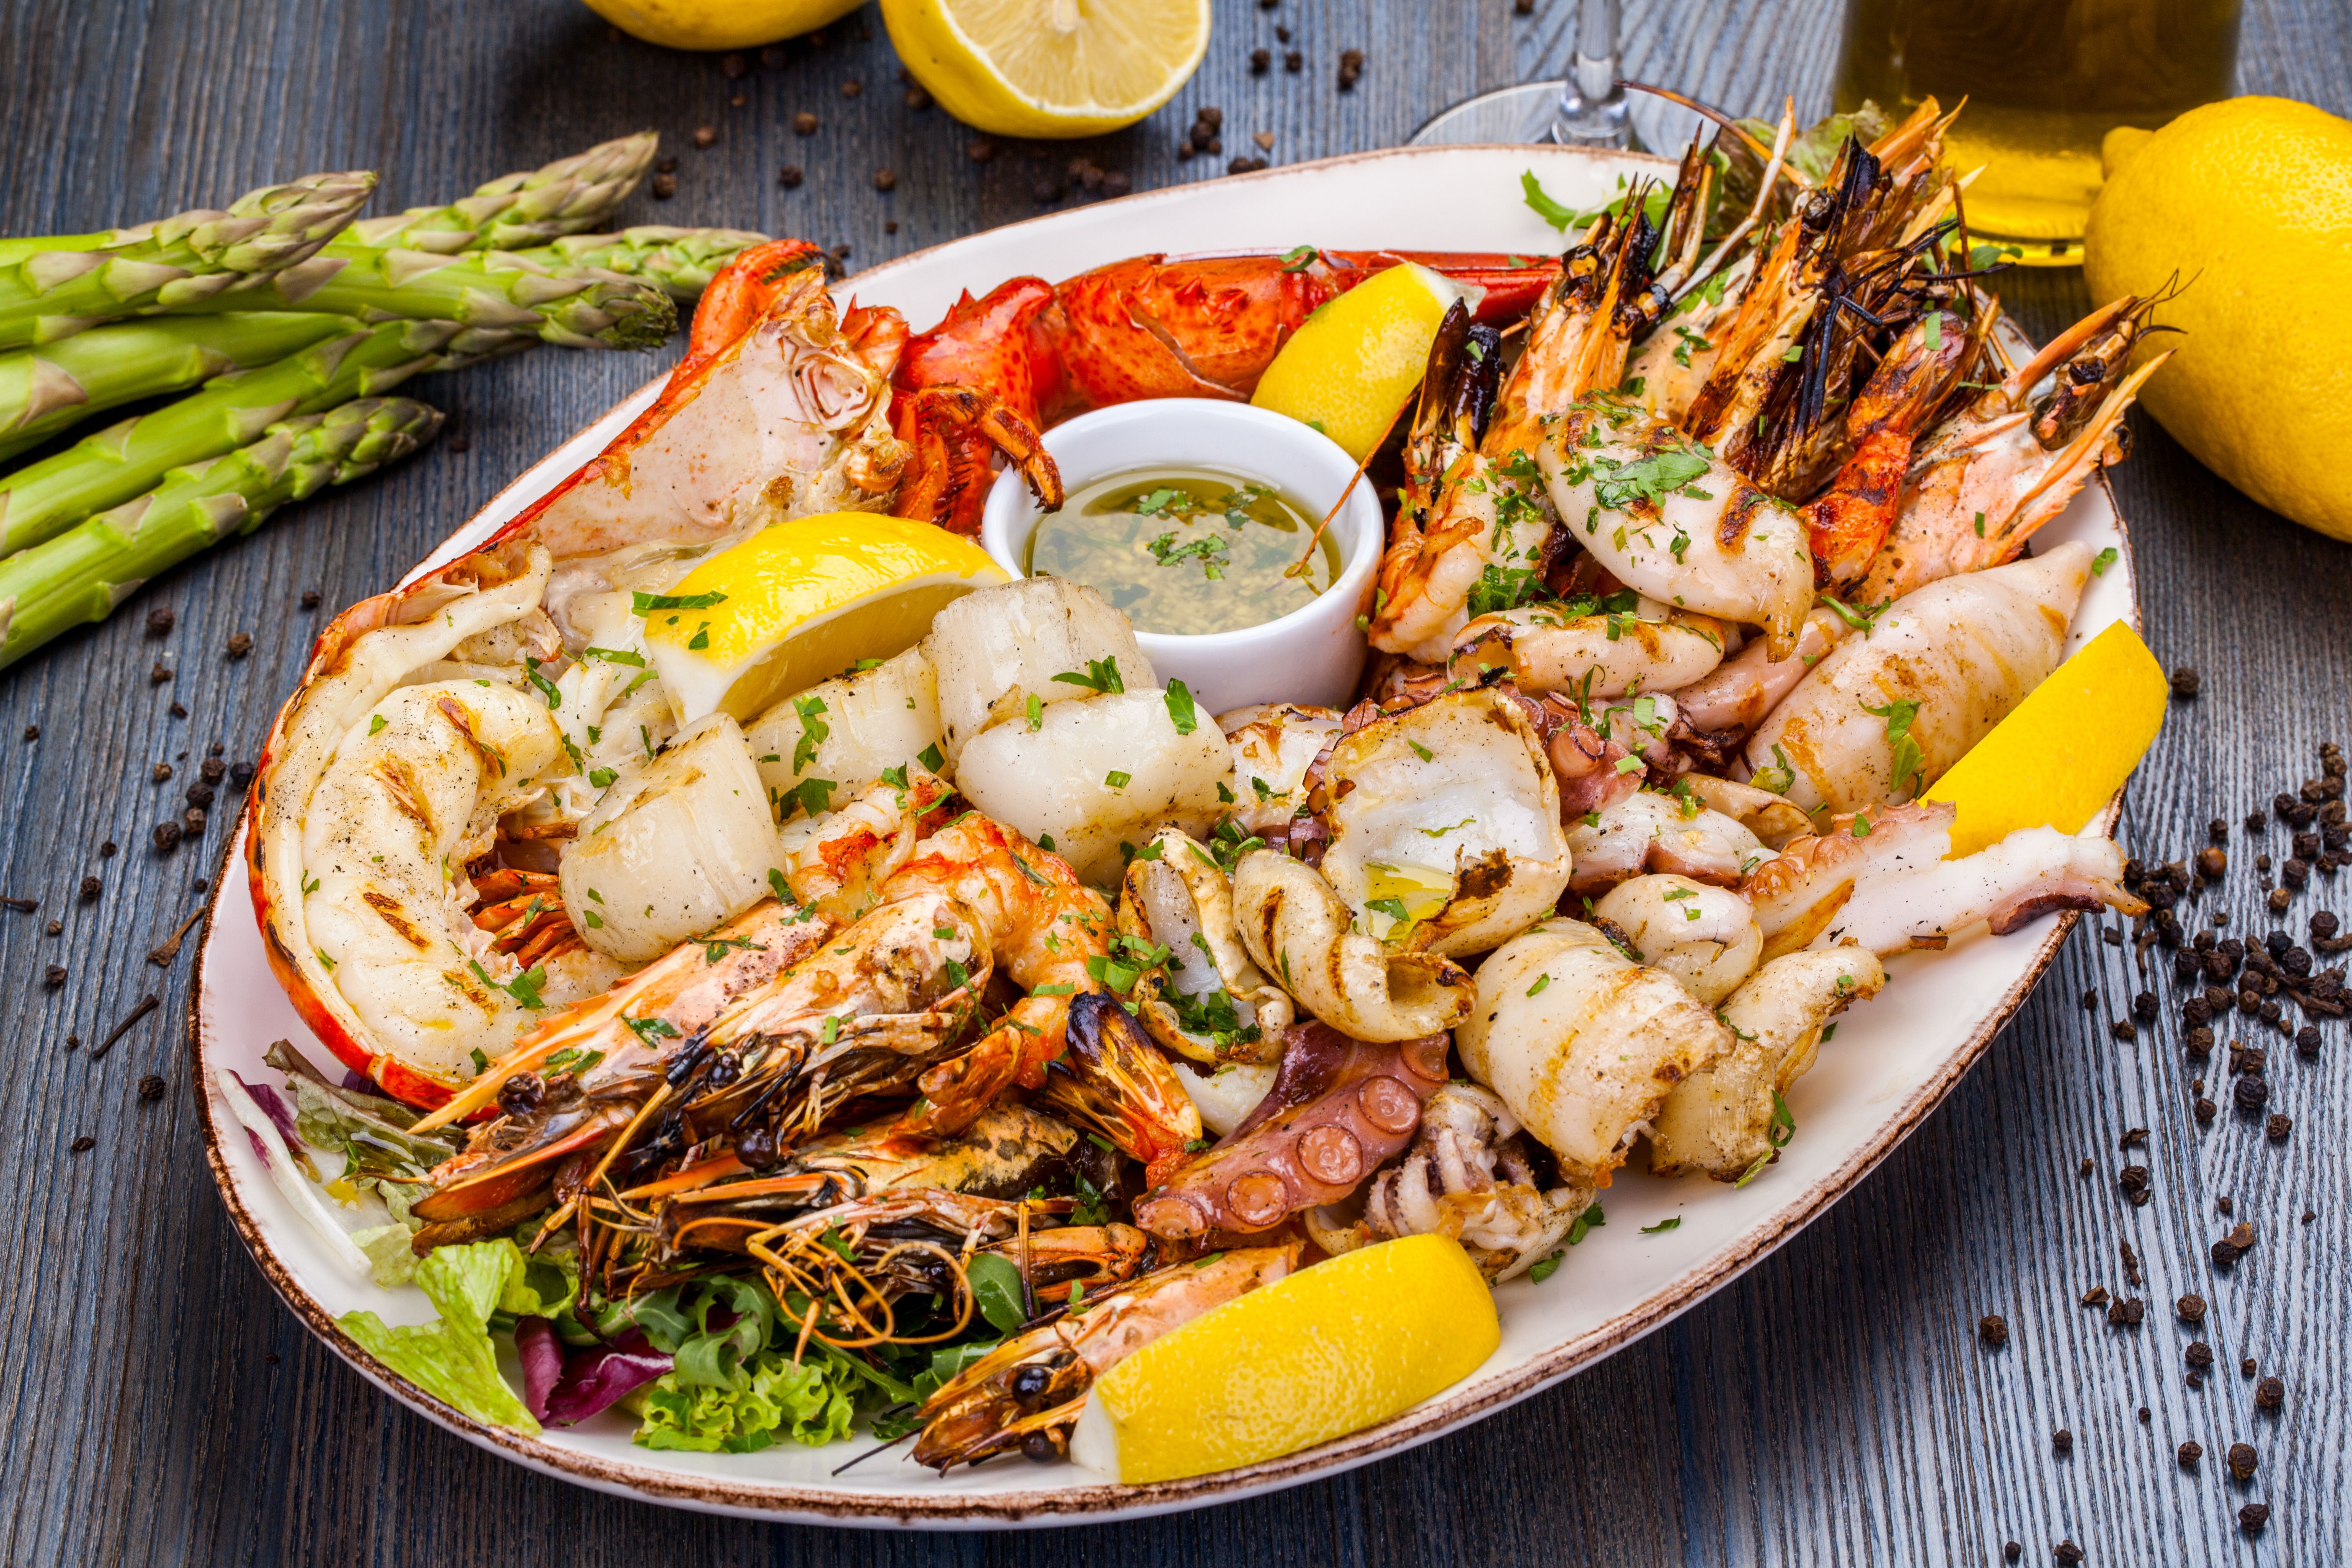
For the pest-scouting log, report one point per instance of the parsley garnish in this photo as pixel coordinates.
(644, 603)
(1180, 711)
(1101, 676)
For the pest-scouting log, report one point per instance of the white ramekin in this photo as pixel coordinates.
(1315, 653)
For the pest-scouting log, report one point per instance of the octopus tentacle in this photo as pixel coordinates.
(1338, 1107)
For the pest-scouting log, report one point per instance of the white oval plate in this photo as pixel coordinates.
(1892, 1060)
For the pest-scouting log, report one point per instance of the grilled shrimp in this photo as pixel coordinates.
(1886, 714)
(1481, 518)
(1983, 481)
(1881, 879)
(1549, 647)
(1028, 1392)
(1583, 1043)
(1670, 520)
(1042, 924)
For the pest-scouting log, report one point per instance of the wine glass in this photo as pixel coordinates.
(1588, 109)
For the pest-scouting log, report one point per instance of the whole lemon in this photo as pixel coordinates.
(719, 24)
(2247, 205)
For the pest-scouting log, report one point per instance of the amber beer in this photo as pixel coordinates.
(2044, 80)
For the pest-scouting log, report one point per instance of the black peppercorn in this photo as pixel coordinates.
(2189, 1308)
(2189, 1453)
(2251, 1092)
(2243, 1462)
(2200, 1354)
(2252, 1517)
(1993, 1330)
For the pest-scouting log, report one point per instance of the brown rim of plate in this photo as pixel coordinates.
(1072, 1505)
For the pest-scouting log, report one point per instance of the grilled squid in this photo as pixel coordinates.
(1296, 928)
(1275, 744)
(1470, 1175)
(1650, 648)
(1206, 1001)
(1884, 715)
(1583, 1043)
(1650, 832)
(1720, 1119)
(1880, 879)
(1707, 937)
(1445, 823)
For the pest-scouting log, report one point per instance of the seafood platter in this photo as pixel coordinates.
(1009, 900)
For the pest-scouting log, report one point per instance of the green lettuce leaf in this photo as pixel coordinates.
(454, 1360)
(804, 1403)
(392, 1262)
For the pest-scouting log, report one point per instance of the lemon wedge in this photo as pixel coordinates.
(1324, 1353)
(1351, 364)
(801, 601)
(1049, 68)
(2064, 751)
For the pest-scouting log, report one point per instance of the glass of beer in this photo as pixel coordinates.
(2045, 81)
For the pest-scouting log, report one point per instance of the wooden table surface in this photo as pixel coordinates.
(1833, 1406)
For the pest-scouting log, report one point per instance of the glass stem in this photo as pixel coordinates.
(1591, 108)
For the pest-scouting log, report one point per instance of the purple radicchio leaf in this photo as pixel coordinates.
(273, 1105)
(593, 1379)
(543, 1361)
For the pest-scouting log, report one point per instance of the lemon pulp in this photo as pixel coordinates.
(1049, 68)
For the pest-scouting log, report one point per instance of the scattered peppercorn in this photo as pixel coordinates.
(886, 180)
(2066, 1555)
(2251, 1092)
(852, 87)
(790, 176)
(2199, 1354)
(2270, 1394)
(2189, 1308)
(2185, 682)
(2204, 1110)
(106, 850)
(1993, 1328)
(804, 123)
(706, 136)
(90, 888)
(32, 732)
(160, 674)
(2189, 1453)
(2277, 1128)
(664, 186)
(2243, 1462)
(167, 837)
(1351, 67)
(54, 976)
(2062, 1442)
(2252, 1517)
(151, 1087)
(2011, 1552)
(1260, 61)
(309, 600)
(1293, 61)
(83, 1144)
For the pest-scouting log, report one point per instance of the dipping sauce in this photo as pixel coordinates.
(1185, 551)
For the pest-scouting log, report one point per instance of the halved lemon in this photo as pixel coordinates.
(1049, 68)
(2064, 751)
(1352, 365)
(1329, 1351)
(720, 24)
(803, 600)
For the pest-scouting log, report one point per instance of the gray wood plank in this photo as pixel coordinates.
(1834, 1406)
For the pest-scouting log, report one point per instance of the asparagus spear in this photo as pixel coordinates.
(53, 287)
(681, 260)
(518, 210)
(580, 311)
(43, 500)
(45, 390)
(84, 572)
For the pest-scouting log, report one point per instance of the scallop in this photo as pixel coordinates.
(846, 731)
(998, 648)
(675, 850)
(1094, 774)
